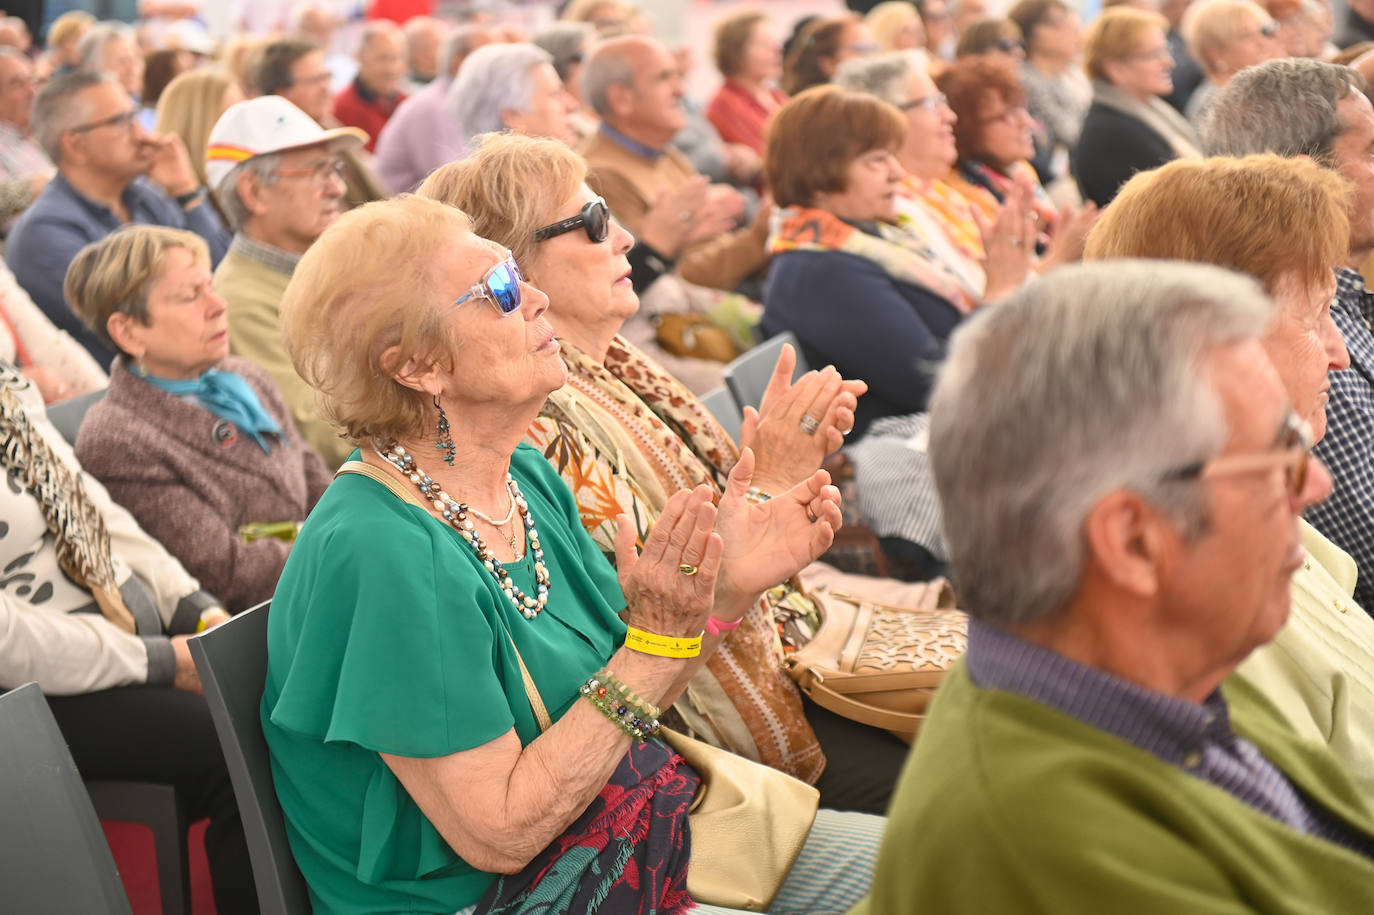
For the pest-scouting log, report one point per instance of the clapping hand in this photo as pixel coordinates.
(767, 542)
(798, 424)
(670, 587)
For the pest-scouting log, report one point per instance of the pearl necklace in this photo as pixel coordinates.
(456, 514)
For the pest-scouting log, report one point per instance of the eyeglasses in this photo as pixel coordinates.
(1007, 44)
(1156, 54)
(1013, 116)
(933, 102)
(1292, 451)
(594, 217)
(125, 120)
(319, 173)
(500, 286)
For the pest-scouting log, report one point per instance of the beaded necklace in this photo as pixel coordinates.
(456, 514)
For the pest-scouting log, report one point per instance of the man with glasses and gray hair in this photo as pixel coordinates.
(278, 176)
(110, 173)
(1122, 475)
(1309, 108)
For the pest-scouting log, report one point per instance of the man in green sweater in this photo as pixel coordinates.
(279, 178)
(1122, 477)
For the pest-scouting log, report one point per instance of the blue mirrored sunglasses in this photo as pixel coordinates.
(500, 286)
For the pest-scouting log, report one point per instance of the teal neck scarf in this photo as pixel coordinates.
(229, 397)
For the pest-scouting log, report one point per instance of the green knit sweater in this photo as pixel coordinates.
(1009, 806)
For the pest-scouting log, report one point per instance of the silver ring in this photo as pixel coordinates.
(811, 516)
(810, 424)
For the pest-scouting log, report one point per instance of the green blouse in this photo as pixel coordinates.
(387, 635)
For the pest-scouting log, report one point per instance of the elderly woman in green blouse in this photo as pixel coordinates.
(460, 688)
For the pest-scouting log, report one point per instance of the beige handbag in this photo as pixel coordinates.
(878, 664)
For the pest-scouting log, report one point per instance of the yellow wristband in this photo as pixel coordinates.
(207, 615)
(662, 645)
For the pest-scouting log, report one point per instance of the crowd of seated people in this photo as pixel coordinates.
(401, 321)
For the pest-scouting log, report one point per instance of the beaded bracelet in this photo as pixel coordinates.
(663, 646)
(616, 685)
(623, 714)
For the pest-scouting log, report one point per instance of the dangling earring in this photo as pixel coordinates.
(445, 442)
(139, 370)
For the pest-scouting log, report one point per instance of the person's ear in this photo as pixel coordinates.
(1129, 541)
(414, 374)
(125, 331)
(620, 99)
(250, 192)
(513, 120)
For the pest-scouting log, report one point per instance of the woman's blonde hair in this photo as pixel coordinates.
(887, 18)
(189, 108)
(1211, 26)
(1116, 35)
(69, 27)
(364, 304)
(510, 186)
(115, 274)
(1225, 211)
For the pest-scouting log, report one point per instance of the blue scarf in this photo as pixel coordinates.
(228, 396)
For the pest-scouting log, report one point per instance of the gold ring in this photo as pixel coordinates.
(686, 569)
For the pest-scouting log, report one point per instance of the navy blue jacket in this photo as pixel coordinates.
(61, 222)
(848, 312)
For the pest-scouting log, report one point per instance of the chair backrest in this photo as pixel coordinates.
(68, 414)
(747, 377)
(722, 405)
(53, 853)
(232, 661)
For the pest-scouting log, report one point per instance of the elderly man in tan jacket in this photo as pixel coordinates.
(635, 86)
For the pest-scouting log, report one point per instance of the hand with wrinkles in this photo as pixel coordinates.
(786, 453)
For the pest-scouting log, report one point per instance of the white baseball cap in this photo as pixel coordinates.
(263, 125)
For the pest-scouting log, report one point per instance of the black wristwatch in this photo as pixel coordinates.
(185, 200)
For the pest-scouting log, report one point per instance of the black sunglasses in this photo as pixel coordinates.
(595, 218)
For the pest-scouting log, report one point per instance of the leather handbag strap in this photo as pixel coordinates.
(821, 693)
(381, 476)
(541, 713)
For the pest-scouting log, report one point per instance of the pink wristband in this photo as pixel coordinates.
(716, 627)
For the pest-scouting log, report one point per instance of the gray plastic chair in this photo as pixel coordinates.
(722, 405)
(68, 414)
(232, 661)
(747, 376)
(53, 854)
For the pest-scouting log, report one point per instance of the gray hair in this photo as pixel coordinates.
(565, 41)
(1085, 382)
(608, 65)
(493, 79)
(457, 45)
(883, 75)
(1286, 107)
(376, 29)
(263, 168)
(92, 46)
(57, 110)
